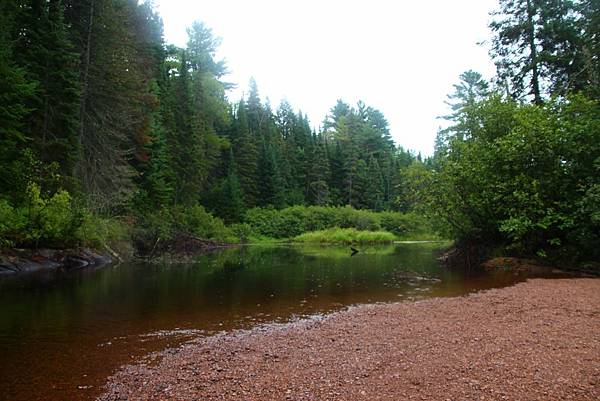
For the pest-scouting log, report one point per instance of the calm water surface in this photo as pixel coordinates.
(62, 334)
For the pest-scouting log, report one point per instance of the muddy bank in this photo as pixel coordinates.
(537, 341)
(27, 261)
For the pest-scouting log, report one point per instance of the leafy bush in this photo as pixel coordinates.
(12, 224)
(241, 231)
(522, 176)
(198, 222)
(296, 220)
(346, 236)
(347, 217)
(58, 220)
(40, 221)
(98, 232)
(167, 224)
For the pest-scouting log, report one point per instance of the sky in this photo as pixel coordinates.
(401, 57)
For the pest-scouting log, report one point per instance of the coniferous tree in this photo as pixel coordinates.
(15, 91)
(227, 199)
(318, 176)
(270, 183)
(246, 156)
(186, 143)
(119, 43)
(50, 60)
(375, 188)
(589, 25)
(538, 48)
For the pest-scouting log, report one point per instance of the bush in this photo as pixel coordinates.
(58, 220)
(347, 217)
(168, 224)
(42, 221)
(196, 221)
(12, 224)
(98, 232)
(241, 231)
(346, 236)
(296, 220)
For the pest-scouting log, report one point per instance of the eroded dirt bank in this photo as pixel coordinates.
(538, 340)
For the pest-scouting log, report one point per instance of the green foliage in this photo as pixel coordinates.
(243, 232)
(524, 175)
(169, 224)
(346, 236)
(297, 220)
(12, 224)
(98, 232)
(42, 220)
(198, 222)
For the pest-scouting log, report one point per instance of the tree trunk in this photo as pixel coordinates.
(535, 78)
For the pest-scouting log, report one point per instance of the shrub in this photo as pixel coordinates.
(41, 221)
(293, 221)
(241, 231)
(97, 232)
(168, 224)
(346, 236)
(58, 220)
(198, 222)
(12, 224)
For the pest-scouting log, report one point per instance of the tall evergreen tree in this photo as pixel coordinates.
(246, 156)
(227, 198)
(50, 60)
(318, 175)
(15, 91)
(119, 43)
(537, 47)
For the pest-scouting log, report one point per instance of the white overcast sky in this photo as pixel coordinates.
(401, 57)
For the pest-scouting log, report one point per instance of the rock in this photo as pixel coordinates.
(28, 261)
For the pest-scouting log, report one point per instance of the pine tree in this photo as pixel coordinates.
(537, 47)
(120, 44)
(227, 199)
(374, 193)
(246, 156)
(156, 177)
(318, 175)
(50, 60)
(15, 90)
(186, 143)
(590, 28)
(254, 110)
(270, 183)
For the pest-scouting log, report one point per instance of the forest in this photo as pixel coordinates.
(108, 134)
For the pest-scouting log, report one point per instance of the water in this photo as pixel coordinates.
(62, 334)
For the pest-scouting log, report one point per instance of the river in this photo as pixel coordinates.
(63, 333)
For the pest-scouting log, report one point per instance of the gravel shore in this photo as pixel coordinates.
(538, 340)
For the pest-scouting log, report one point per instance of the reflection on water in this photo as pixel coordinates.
(62, 334)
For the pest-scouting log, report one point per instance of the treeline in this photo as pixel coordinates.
(519, 165)
(99, 117)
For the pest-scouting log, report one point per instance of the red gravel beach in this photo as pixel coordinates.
(538, 340)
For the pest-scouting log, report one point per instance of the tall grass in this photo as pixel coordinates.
(346, 236)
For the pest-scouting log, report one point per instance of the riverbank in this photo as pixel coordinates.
(16, 261)
(535, 340)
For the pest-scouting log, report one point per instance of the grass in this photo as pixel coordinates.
(346, 236)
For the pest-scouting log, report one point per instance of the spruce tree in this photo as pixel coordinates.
(246, 156)
(50, 60)
(318, 175)
(15, 91)
(537, 48)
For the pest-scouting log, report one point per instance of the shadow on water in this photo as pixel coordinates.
(62, 334)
